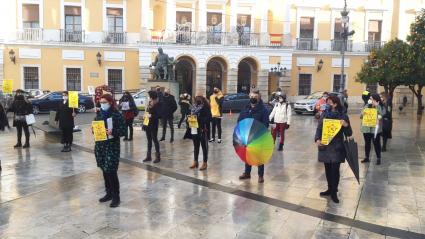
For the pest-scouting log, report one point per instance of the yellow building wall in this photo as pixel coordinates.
(94, 16)
(78, 1)
(51, 20)
(134, 16)
(324, 24)
(197, 13)
(120, 2)
(214, 7)
(52, 72)
(159, 15)
(228, 13)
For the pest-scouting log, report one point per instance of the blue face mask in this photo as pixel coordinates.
(149, 99)
(104, 107)
(328, 107)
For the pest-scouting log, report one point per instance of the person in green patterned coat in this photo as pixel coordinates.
(108, 152)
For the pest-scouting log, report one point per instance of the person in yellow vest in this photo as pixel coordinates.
(216, 101)
(366, 96)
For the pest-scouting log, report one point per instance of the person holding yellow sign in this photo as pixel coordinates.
(185, 105)
(369, 116)
(21, 107)
(332, 127)
(65, 117)
(154, 114)
(107, 151)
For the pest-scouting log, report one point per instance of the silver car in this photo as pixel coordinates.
(308, 104)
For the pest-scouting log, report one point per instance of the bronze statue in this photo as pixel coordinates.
(162, 62)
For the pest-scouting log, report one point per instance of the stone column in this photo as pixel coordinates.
(264, 35)
(263, 84)
(232, 80)
(170, 21)
(145, 33)
(145, 75)
(285, 82)
(287, 23)
(202, 15)
(233, 14)
(201, 81)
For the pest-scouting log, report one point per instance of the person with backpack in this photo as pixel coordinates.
(282, 118)
(129, 113)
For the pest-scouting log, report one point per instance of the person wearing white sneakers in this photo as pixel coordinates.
(216, 101)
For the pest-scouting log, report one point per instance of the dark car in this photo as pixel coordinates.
(235, 102)
(51, 102)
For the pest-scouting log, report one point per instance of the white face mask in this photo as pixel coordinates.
(278, 93)
(280, 100)
(382, 99)
(65, 97)
(369, 102)
(185, 94)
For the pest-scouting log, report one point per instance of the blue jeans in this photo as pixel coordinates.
(260, 169)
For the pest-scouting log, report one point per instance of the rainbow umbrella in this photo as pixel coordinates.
(253, 142)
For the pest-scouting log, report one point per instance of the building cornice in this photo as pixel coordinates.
(330, 54)
(308, 6)
(213, 2)
(339, 7)
(103, 47)
(187, 1)
(371, 8)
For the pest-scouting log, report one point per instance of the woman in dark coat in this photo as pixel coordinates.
(129, 113)
(200, 136)
(387, 120)
(333, 155)
(154, 108)
(65, 116)
(21, 107)
(4, 122)
(185, 105)
(108, 152)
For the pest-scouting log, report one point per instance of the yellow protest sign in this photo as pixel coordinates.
(370, 118)
(73, 99)
(146, 121)
(193, 121)
(185, 101)
(99, 130)
(7, 86)
(330, 129)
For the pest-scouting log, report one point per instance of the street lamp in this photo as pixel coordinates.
(344, 34)
(98, 56)
(12, 56)
(278, 71)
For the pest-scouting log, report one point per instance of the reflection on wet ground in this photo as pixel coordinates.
(48, 194)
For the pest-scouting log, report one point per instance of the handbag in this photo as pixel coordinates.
(317, 116)
(30, 119)
(136, 112)
(19, 118)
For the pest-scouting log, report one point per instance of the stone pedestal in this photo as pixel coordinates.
(263, 84)
(264, 39)
(201, 81)
(232, 80)
(144, 76)
(165, 84)
(399, 93)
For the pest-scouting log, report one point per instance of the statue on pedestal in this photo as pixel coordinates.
(163, 62)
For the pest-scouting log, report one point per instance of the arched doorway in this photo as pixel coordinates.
(184, 75)
(244, 78)
(214, 77)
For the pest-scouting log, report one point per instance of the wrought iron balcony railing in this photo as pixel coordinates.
(29, 34)
(371, 45)
(114, 37)
(72, 35)
(337, 45)
(307, 44)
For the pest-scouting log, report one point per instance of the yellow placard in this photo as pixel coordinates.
(185, 101)
(193, 121)
(370, 118)
(7, 86)
(99, 131)
(104, 92)
(146, 121)
(73, 99)
(330, 129)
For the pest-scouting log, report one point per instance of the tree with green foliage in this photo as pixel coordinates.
(416, 54)
(386, 66)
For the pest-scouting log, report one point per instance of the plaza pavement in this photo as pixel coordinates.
(49, 194)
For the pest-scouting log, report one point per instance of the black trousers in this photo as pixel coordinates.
(369, 138)
(152, 135)
(199, 140)
(164, 127)
(112, 182)
(67, 135)
(129, 125)
(216, 122)
(19, 127)
(181, 120)
(332, 175)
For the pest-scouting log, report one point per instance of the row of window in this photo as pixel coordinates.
(73, 79)
(305, 83)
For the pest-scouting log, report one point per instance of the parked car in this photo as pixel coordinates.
(140, 99)
(235, 102)
(51, 101)
(37, 93)
(308, 104)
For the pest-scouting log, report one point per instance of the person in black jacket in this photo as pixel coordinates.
(129, 113)
(202, 109)
(333, 154)
(169, 106)
(21, 107)
(387, 120)
(255, 110)
(366, 96)
(154, 108)
(185, 105)
(65, 116)
(159, 92)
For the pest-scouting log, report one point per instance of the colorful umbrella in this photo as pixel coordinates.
(253, 142)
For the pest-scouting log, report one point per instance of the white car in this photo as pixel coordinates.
(37, 93)
(308, 104)
(140, 99)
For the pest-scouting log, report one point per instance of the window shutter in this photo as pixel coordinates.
(307, 23)
(375, 26)
(72, 11)
(115, 11)
(30, 13)
(338, 26)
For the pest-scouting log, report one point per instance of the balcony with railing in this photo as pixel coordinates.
(67, 35)
(311, 44)
(114, 37)
(371, 45)
(29, 34)
(336, 45)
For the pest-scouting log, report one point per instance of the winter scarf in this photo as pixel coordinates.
(105, 114)
(332, 114)
(196, 109)
(152, 103)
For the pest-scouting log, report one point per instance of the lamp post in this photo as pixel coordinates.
(344, 34)
(278, 71)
